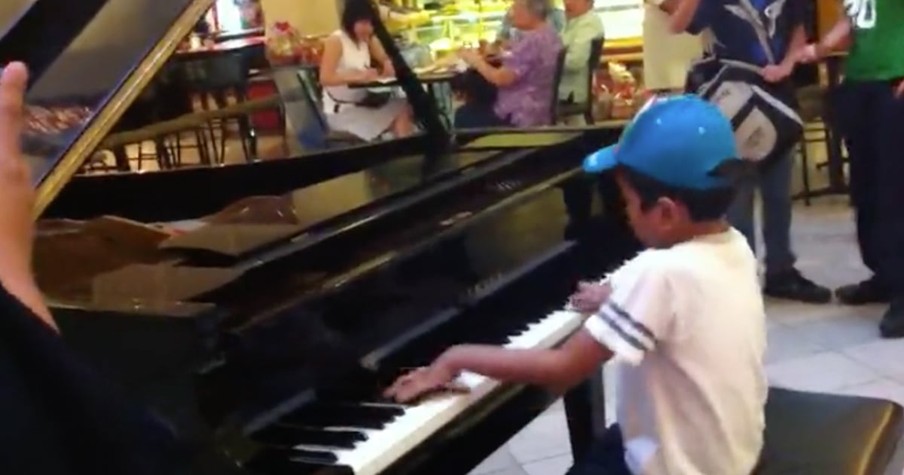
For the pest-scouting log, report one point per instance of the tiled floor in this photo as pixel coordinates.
(830, 348)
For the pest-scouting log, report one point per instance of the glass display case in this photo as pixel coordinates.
(467, 22)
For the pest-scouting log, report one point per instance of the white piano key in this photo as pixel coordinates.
(419, 422)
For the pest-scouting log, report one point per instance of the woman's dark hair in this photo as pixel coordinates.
(702, 205)
(355, 11)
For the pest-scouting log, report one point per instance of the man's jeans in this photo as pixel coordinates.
(871, 120)
(773, 180)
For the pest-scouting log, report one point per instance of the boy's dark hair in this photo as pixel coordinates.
(355, 11)
(702, 205)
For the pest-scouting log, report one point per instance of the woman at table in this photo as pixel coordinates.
(348, 58)
(526, 78)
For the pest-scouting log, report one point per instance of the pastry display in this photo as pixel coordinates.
(54, 120)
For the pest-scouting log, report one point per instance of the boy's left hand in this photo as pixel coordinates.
(777, 72)
(590, 297)
(422, 381)
(899, 90)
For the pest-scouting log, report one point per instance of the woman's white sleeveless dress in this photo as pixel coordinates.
(338, 101)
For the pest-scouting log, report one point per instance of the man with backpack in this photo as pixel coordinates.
(751, 50)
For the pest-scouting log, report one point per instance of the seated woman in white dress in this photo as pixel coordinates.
(348, 59)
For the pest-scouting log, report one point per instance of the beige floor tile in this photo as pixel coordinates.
(551, 466)
(886, 357)
(501, 460)
(789, 342)
(836, 334)
(828, 371)
(545, 437)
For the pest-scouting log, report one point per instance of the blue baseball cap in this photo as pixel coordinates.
(680, 141)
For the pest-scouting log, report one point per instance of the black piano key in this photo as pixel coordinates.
(344, 415)
(281, 435)
(286, 462)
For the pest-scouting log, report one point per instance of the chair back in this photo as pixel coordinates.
(308, 118)
(593, 63)
(560, 69)
(216, 73)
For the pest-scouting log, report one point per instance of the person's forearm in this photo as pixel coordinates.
(539, 366)
(838, 35)
(683, 15)
(496, 76)
(798, 41)
(340, 79)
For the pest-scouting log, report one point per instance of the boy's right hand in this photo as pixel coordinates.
(590, 297)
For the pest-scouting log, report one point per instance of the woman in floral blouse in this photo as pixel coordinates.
(525, 79)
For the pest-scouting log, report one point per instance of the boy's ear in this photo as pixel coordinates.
(734, 170)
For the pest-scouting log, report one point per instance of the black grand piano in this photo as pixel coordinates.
(263, 323)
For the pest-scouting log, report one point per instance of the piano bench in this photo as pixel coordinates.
(828, 434)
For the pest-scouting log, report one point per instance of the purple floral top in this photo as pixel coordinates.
(533, 56)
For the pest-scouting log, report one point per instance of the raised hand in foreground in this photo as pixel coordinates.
(16, 195)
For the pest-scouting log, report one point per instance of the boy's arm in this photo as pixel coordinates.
(628, 326)
(559, 368)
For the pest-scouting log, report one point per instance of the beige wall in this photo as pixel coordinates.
(311, 17)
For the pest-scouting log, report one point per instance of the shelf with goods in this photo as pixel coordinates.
(464, 23)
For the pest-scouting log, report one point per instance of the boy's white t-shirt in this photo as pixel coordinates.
(687, 325)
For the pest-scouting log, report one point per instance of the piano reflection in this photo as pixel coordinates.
(263, 312)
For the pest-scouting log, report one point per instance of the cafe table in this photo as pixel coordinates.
(435, 80)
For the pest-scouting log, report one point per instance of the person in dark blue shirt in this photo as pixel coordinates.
(59, 416)
(766, 35)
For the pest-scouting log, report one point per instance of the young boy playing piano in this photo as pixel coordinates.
(684, 319)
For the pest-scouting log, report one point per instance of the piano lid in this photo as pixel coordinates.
(95, 58)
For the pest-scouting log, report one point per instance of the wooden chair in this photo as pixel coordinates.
(557, 81)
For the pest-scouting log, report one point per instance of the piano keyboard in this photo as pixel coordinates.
(365, 439)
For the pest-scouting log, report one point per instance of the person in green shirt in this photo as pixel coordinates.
(582, 27)
(869, 111)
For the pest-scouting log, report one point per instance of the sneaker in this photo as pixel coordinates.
(892, 324)
(791, 285)
(862, 293)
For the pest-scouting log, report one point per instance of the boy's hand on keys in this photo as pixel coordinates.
(590, 297)
(423, 381)
(899, 90)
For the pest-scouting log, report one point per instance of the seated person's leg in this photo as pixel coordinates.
(403, 125)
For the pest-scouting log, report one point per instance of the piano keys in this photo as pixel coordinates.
(366, 438)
